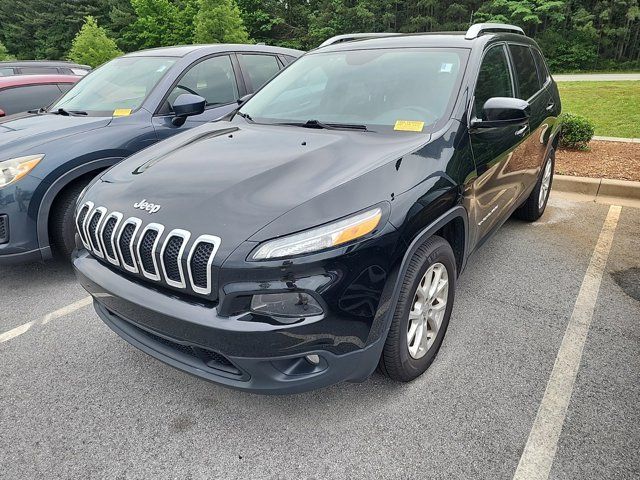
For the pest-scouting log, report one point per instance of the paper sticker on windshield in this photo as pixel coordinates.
(409, 126)
(446, 67)
(121, 112)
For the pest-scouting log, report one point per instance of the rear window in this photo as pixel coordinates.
(30, 97)
(543, 72)
(39, 70)
(526, 71)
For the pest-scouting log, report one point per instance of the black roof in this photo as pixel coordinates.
(184, 50)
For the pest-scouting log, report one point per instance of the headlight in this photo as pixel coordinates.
(320, 238)
(16, 168)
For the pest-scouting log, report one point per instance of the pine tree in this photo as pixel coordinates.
(92, 46)
(4, 54)
(219, 21)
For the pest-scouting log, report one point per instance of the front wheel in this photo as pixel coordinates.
(422, 313)
(61, 223)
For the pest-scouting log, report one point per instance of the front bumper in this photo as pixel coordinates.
(233, 351)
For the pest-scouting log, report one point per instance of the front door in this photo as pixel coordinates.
(499, 181)
(214, 79)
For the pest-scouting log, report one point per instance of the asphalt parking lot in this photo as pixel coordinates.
(76, 401)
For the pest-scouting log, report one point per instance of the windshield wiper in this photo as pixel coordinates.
(66, 113)
(327, 126)
(245, 115)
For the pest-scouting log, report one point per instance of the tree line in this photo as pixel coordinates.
(574, 35)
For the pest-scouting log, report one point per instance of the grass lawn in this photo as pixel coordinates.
(614, 107)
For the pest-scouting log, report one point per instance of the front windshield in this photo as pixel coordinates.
(379, 89)
(118, 86)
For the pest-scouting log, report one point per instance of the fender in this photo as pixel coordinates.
(391, 293)
(55, 188)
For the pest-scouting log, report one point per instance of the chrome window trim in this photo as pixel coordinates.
(118, 216)
(185, 235)
(216, 241)
(137, 223)
(97, 249)
(158, 228)
(81, 228)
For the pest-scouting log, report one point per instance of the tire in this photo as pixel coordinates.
(62, 228)
(534, 206)
(397, 361)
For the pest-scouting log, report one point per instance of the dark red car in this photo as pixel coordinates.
(20, 93)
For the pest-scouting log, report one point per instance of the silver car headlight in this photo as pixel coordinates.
(13, 170)
(320, 238)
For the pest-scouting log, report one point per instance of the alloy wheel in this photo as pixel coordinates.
(427, 310)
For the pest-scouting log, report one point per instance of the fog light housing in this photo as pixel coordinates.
(289, 304)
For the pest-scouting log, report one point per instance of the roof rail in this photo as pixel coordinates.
(479, 28)
(354, 36)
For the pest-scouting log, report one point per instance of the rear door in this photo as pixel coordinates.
(498, 185)
(530, 154)
(213, 78)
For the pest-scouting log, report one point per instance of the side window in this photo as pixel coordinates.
(494, 79)
(259, 68)
(213, 79)
(38, 70)
(543, 72)
(6, 72)
(21, 99)
(526, 71)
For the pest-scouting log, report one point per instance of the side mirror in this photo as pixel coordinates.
(244, 98)
(2, 114)
(187, 105)
(503, 112)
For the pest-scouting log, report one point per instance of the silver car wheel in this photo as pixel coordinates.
(546, 184)
(427, 310)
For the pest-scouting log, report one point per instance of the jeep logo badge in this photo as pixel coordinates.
(149, 207)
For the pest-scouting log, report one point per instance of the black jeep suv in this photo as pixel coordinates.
(319, 231)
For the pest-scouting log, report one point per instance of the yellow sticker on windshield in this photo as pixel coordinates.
(121, 112)
(409, 126)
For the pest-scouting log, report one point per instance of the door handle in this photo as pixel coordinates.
(522, 131)
(550, 106)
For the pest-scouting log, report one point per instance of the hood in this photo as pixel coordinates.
(21, 133)
(231, 179)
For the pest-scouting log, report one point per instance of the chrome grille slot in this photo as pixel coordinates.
(108, 236)
(149, 239)
(125, 243)
(199, 263)
(171, 257)
(80, 223)
(92, 230)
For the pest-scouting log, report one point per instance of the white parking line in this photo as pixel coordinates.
(539, 452)
(16, 332)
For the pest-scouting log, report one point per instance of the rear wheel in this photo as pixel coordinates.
(422, 313)
(534, 206)
(61, 220)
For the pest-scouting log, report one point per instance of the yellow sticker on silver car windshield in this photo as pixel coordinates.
(409, 126)
(121, 112)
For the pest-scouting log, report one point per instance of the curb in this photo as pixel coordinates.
(615, 139)
(600, 190)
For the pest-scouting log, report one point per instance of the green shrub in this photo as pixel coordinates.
(577, 131)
